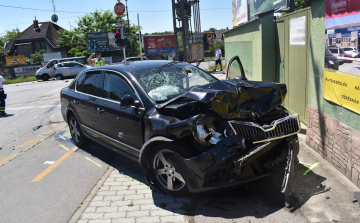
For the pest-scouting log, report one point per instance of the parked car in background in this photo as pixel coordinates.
(330, 60)
(130, 59)
(189, 131)
(352, 51)
(68, 69)
(338, 52)
(47, 71)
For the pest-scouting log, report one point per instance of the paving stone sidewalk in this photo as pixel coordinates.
(123, 198)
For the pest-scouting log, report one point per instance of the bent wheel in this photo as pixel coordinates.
(75, 131)
(165, 176)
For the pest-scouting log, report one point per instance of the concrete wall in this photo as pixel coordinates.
(333, 131)
(254, 43)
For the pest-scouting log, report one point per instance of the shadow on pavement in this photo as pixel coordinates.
(252, 199)
(7, 115)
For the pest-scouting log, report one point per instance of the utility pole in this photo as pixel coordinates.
(130, 37)
(140, 37)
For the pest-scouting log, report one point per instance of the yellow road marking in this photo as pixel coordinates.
(37, 101)
(51, 116)
(65, 147)
(28, 142)
(93, 161)
(53, 166)
(16, 104)
(56, 99)
(6, 158)
(36, 116)
(312, 167)
(62, 137)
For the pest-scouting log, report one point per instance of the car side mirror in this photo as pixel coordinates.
(126, 101)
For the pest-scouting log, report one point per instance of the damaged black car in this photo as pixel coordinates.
(189, 131)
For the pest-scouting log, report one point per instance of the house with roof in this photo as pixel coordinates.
(38, 36)
(219, 35)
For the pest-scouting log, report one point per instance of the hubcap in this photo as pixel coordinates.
(165, 173)
(74, 130)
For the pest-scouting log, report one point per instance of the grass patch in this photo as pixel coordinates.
(20, 79)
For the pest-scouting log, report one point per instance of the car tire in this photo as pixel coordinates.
(165, 176)
(45, 77)
(59, 77)
(75, 131)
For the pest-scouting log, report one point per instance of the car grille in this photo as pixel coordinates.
(281, 128)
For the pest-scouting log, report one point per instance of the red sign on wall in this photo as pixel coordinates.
(340, 8)
(119, 8)
(159, 44)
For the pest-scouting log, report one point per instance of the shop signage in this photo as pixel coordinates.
(15, 60)
(159, 44)
(342, 89)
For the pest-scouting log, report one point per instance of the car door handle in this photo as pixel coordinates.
(76, 102)
(101, 110)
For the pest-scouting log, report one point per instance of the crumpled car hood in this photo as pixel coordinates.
(240, 99)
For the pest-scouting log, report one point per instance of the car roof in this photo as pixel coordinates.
(131, 67)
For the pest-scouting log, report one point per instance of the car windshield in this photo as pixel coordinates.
(327, 52)
(171, 80)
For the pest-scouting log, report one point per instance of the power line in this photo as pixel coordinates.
(44, 10)
(40, 22)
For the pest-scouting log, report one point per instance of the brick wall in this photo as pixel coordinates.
(336, 142)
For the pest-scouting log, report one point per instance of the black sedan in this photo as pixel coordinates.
(189, 131)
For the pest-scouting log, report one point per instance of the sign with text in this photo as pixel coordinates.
(119, 8)
(15, 60)
(342, 89)
(298, 31)
(164, 44)
(97, 41)
(27, 70)
(260, 6)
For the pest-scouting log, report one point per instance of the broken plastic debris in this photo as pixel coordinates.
(327, 197)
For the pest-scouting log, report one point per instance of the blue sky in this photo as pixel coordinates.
(220, 17)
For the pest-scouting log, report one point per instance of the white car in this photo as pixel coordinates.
(351, 51)
(68, 69)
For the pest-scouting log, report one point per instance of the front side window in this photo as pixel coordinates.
(116, 87)
(171, 80)
(90, 83)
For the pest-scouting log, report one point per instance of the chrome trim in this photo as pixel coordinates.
(268, 132)
(137, 150)
(129, 82)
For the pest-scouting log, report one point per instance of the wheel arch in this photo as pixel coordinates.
(146, 148)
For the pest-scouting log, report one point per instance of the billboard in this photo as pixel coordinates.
(97, 41)
(15, 60)
(342, 62)
(240, 11)
(164, 44)
(208, 40)
(259, 6)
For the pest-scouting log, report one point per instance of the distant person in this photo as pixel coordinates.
(98, 61)
(218, 58)
(2, 96)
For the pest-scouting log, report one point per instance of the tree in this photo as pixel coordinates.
(98, 21)
(35, 58)
(9, 35)
(211, 30)
(299, 4)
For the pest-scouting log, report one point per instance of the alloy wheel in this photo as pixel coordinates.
(165, 173)
(74, 130)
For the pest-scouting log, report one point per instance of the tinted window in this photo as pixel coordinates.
(65, 65)
(90, 83)
(347, 49)
(341, 51)
(80, 82)
(76, 65)
(115, 87)
(333, 50)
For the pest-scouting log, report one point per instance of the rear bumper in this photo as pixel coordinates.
(229, 164)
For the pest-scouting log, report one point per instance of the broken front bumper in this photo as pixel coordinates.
(230, 163)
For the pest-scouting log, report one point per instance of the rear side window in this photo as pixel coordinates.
(90, 83)
(333, 50)
(115, 87)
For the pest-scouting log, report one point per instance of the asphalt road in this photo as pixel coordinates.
(33, 136)
(353, 67)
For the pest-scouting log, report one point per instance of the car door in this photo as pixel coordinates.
(76, 68)
(123, 126)
(88, 90)
(66, 69)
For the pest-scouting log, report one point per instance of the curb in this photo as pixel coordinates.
(77, 214)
